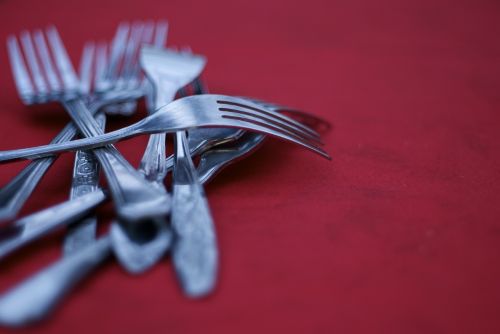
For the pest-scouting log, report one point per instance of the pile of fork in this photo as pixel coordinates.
(150, 219)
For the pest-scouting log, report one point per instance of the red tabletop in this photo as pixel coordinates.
(400, 233)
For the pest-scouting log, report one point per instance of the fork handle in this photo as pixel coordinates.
(195, 254)
(37, 296)
(133, 196)
(85, 179)
(16, 192)
(39, 224)
(153, 163)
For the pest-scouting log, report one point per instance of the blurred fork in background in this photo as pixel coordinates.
(133, 197)
(14, 194)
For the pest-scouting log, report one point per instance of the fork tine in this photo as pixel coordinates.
(34, 66)
(47, 64)
(63, 63)
(146, 38)
(131, 49)
(270, 116)
(161, 31)
(100, 67)
(270, 120)
(280, 127)
(277, 116)
(259, 126)
(86, 67)
(21, 77)
(117, 49)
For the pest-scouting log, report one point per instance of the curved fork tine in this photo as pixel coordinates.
(259, 109)
(314, 122)
(253, 125)
(268, 118)
(273, 125)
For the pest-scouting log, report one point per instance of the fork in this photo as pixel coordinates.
(14, 194)
(207, 110)
(195, 254)
(133, 197)
(109, 77)
(65, 273)
(123, 70)
(85, 176)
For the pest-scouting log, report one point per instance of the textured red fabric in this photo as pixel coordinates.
(399, 234)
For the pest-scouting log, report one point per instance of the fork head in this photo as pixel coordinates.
(123, 70)
(208, 110)
(49, 75)
(170, 70)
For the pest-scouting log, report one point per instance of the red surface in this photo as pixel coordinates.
(399, 234)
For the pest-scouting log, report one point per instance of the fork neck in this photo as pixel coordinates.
(164, 91)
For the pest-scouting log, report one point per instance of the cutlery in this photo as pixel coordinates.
(133, 252)
(207, 110)
(85, 176)
(133, 197)
(194, 250)
(34, 226)
(65, 273)
(139, 246)
(36, 297)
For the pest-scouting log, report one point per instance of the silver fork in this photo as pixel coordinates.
(34, 303)
(14, 194)
(133, 197)
(138, 248)
(195, 254)
(212, 161)
(85, 170)
(123, 70)
(207, 110)
(134, 256)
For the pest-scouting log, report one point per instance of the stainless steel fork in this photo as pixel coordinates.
(108, 78)
(133, 197)
(15, 193)
(208, 110)
(195, 253)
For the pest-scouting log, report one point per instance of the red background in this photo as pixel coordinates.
(399, 234)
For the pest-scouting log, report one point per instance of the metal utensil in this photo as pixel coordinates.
(36, 225)
(133, 198)
(195, 252)
(213, 160)
(205, 110)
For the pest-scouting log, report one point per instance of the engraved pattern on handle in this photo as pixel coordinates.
(85, 179)
(16, 192)
(195, 254)
(182, 114)
(153, 163)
